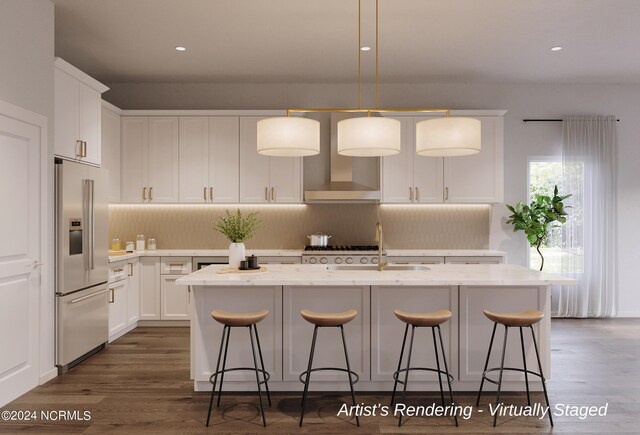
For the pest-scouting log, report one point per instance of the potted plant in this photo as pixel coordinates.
(237, 229)
(536, 219)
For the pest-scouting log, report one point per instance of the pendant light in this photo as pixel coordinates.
(448, 137)
(373, 136)
(288, 137)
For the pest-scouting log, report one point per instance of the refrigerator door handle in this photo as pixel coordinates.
(92, 225)
(86, 237)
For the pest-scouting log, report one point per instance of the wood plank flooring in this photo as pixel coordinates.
(140, 384)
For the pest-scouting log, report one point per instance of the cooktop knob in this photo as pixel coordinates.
(364, 260)
(374, 260)
(338, 260)
(349, 260)
(323, 260)
(312, 260)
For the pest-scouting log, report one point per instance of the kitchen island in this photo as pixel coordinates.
(374, 336)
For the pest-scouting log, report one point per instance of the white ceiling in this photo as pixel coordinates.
(316, 40)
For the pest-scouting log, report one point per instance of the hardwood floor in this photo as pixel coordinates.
(140, 384)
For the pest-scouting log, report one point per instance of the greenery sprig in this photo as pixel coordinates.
(536, 218)
(236, 228)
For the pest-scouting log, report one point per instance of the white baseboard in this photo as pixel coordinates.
(628, 314)
(123, 332)
(48, 375)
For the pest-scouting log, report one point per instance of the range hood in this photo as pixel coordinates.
(341, 186)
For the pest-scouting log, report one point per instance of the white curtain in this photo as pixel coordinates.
(590, 172)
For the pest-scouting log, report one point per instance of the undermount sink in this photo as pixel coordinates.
(390, 267)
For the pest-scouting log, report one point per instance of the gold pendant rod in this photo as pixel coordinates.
(377, 54)
(359, 43)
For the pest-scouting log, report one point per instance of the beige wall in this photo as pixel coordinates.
(286, 226)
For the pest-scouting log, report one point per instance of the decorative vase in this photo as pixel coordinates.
(236, 254)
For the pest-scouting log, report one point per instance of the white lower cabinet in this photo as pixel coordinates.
(133, 293)
(117, 307)
(298, 333)
(150, 288)
(174, 299)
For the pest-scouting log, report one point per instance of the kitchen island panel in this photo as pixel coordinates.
(208, 332)
(387, 331)
(298, 333)
(475, 332)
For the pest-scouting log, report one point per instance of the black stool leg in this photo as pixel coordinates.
(255, 364)
(215, 377)
(435, 348)
(504, 348)
(406, 375)
(346, 358)
(524, 362)
(395, 384)
(224, 364)
(306, 382)
(542, 378)
(486, 363)
(264, 375)
(446, 369)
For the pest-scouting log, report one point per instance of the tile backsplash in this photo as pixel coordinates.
(436, 226)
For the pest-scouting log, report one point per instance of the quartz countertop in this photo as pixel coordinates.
(438, 274)
(444, 253)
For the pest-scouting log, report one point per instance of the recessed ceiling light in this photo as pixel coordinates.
(365, 48)
(180, 48)
(556, 48)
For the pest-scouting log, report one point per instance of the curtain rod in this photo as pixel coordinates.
(547, 120)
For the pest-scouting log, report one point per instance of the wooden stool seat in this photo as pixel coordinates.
(424, 319)
(524, 318)
(239, 319)
(328, 319)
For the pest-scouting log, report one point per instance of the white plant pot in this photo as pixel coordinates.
(236, 254)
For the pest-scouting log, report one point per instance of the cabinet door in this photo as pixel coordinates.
(285, 178)
(135, 143)
(149, 288)
(66, 115)
(397, 171)
(133, 294)
(254, 167)
(89, 116)
(479, 177)
(428, 174)
(111, 151)
(175, 301)
(117, 306)
(224, 159)
(194, 159)
(163, 159)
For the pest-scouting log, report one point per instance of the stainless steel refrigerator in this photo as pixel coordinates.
(82, 305)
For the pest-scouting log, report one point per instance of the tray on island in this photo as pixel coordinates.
(236, 270)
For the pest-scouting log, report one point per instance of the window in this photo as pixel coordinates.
(544, 174)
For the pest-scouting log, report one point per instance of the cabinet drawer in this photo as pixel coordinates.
(175, 265)
(474, 260)
(415, 260)
(279, 260)
(118, 272)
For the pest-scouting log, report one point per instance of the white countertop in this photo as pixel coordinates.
(298, 252)
(438, 274)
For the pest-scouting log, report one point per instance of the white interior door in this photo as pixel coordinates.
(19, 253)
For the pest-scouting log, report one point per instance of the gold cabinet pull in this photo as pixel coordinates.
(112, 296)
(417, 194)
(84, 148)
(266, 194)
(79, 146)
(150, 193)
(130, 269)
(273, 194)
(446, 193)
(144, 193)
(410, 194)
(211, 194)
(205, 194)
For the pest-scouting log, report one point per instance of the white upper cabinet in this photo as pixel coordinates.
(209, 159)
(150, 159)
(265, 179)
(478, 177)
(111, 148)
(410, 178)
(77, 114)
(407, 177)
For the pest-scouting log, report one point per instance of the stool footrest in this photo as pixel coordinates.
(336, 369)
(266, 374)
(510, 369)
(424, 369)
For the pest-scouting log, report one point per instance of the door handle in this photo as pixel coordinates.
(79, 146)
(112, 296)
(410, 194)
(84, 149)
(273, 194)
(446, 193)
(93, 226)
(36, 263)
(150, 193)
(417, 194)
(89, 296)
(211, 194)
(130, 269)
(205, 194)
(266, 193)
(144, 193)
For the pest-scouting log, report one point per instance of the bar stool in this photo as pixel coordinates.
(244, 320)
(518, 320)
(418, 320)
(328, 320)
